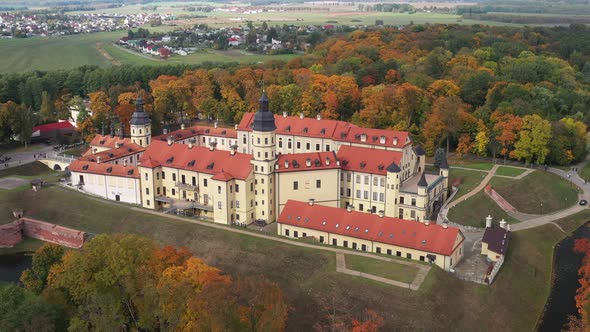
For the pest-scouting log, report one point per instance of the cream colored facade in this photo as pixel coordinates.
(445, 262)
(320, 185)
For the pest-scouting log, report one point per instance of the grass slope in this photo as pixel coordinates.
(465, 180)
(528, 193)
(509, 171)
(308, 277)
(389, 270)
(474, 210)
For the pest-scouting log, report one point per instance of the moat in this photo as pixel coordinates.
(561, 302)
(12, 265)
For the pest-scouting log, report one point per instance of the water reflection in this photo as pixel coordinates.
(12, 265)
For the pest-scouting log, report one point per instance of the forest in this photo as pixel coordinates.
(519, 93)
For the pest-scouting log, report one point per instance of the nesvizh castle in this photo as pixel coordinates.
(281, 168)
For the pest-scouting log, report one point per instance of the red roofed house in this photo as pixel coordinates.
(440, 245)
(50, 130)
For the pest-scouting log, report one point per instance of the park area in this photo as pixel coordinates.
(308, 277)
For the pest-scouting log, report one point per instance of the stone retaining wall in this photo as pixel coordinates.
(12, 234)
(499, 199)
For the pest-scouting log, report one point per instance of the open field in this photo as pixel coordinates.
(536, 191)
(474, 210)
(465, 180)
(52, 53)
(509, 171)
(376, 267)
(308, 277)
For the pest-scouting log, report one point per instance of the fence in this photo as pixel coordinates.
(495, 270)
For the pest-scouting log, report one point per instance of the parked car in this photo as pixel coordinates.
(583, 202)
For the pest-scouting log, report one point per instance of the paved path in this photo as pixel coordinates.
(25, 157)
(422, 270)
(475, 190)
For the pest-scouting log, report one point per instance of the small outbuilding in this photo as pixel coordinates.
(494, 243)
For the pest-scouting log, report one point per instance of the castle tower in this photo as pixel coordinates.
(444, 172)
(392, 190)
(140, 124)
(422, 200)
(264, 160)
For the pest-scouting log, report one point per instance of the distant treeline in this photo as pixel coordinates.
(530, 19)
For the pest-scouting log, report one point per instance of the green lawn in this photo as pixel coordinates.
(465, 180)
(474, 210)
(571, 223)
(509, 171)
(28, 245)
(390, 270)
(308, 276)
(14, 146)
(479, 166)
(537, 193)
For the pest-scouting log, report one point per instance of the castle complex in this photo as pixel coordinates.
(253, 172)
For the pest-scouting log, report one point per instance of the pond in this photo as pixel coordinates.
(12, 265)
(561, 302)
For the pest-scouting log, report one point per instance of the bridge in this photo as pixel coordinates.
(57, 161)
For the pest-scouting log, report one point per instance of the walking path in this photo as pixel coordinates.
(477, 189)
(422, 270)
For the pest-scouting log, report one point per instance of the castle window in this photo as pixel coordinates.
(237, 188)
(174, 177)
(381, 197)
(298, 145)
(280, 142)
(266, 140)
(413, 202)
(219, 205)
(295, 185)
(317, 147)
(289, 144)
(308, 146)
(146, 176)
(358, 193)
(148, 202)
(318, 183)
(173, 191)
(147, 191)
(258, 140)
(358, 179)
(204, 182)
(163, 175)
(219, 189)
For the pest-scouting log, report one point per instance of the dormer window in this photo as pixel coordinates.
(109, 170)
(210, 166)
(323, 131)
(288, 128)
(85, 167)
(170, 160)
(305, 130)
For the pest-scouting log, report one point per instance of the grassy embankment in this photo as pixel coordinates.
(308, 277)
(538, 190)
(509, 171)
(465, 180)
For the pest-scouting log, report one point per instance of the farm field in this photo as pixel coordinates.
(53, 53)
(308, 277)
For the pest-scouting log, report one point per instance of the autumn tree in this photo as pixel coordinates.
(532, 144)
(506, 128)
(35, 277)
(465, 145)
(447, 118)
(47, 112)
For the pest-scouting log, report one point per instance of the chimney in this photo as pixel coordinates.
(117, 145)
(327, 161)
(286, 164)
(215, 124)
(395, 141)
(445, 225)
(236, 127)
(190, 144)
(503, 223)
(308, 162)
(165, 131)
(276, 166)
(426, 222)
(212, 146)
(319, 116)
(301, 115)
(489, 221)
(182, 126)
(170, 140)
(98, 159)
(284, 114)
(381, 213)
(233, 149)
(311, 201)
(124, 163)
(337, 162)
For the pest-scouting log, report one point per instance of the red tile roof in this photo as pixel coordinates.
(82, 166)
(116, 153)
(63, 125)
(366, 160)
(298, 162)
(198, 159)
(334, 129)
(404, 233)
(198, 130)
(109, 142)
